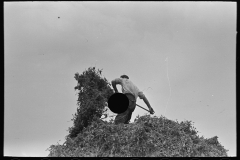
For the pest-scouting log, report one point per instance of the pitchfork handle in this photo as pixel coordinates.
(143, 108)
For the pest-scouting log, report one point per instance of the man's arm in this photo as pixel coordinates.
(146, 102)
(114, 86)
(144, 98)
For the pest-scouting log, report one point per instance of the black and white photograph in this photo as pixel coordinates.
(120, 78)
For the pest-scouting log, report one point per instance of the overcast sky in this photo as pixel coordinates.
(182, 55)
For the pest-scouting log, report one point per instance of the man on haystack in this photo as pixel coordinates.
(132, 92)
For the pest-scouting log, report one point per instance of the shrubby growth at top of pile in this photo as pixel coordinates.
(94, 91)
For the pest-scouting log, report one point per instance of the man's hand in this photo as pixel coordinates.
(151, 111)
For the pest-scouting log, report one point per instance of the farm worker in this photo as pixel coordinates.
(132, 92)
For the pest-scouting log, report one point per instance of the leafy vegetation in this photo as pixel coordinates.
(94, 92)
(147, 136)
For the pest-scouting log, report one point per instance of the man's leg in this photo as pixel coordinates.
(122, 117)
(131, 107)
(132, 101)
(129, 116)
(125, 117)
